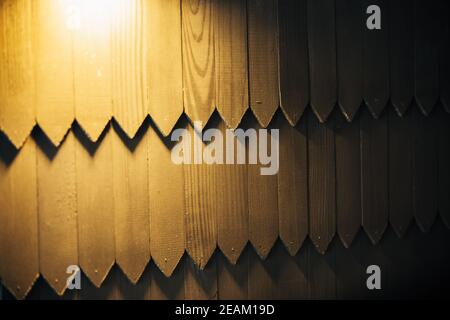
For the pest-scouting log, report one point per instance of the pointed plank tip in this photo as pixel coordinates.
(375, 235)
(20, 291)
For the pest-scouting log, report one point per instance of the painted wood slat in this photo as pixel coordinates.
(165, 74)
(263, 59)
(293, 61)
(426, 54)
(376, 60)
(293, 184)
(349, 36)
(131, 209)
(53, 59)
(167, 204)
(58, 230)
(129, 65)
(198, 59)
(19, 250)
(401, 44)
(400, 171)
(321, 183)
(95, 210)
(374, 175)
(444, 167)
(322, 56)
(230, 45)
(17, 111)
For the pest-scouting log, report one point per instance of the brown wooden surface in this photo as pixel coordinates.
(200, 284)
(232, 279)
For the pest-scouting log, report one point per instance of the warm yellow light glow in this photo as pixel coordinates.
(89, 15)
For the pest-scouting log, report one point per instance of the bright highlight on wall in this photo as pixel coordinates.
(91, 15)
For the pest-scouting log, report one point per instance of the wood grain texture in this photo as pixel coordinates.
(92, 67)
(425, 166)
(263, 59)
(374, 175)
(200, 284)
(348, 180)
(57, 203)
(293, 60)
(293, 184)
(94, 169)
(198, 59)
(444, 167)
(167, 204)
(321, 183)
(165, 75)
(129, 65)
(232, 279)
(426, 54)
(131, 209)
(349, 38)
(400, 171)
(401, 44)
(17, 112)
(230, 47)
(19, 250)
(376, 60)
(53, 59)
(322, 56)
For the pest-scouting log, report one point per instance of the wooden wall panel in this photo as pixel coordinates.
(164, 288)
(58, 230)
(198, 59)
(263, 59)
(19, 251)
(200, 284)
(322, 274)
(232, 279)
(53, 57)
(164, 63)
(17, 112)
(293, 60)
(230, 45)
(444, 165)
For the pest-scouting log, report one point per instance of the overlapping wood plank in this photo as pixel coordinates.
(293, 184)
(444, 164)
(230, 45)
(349, 37)
(167, 204)
(129, 64)
(19, 251)
(232, 279)
(94, 177)
(57, 204)
(198, 59)
(131, 209)
(165, 79)
(374, 175)
(54, 23)
(376, 60)
(200, 284)
(293, 61)
(263, 59)
(322, 56)
(321, 183)
(401, 44)
(17, 112)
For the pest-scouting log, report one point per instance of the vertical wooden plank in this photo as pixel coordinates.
(401, 44)
(350, 272)
(57, 196)
(94, 206)
(425, 166)
(92, 65)
(322, 56)
(293, 184)
(17, 112)
(131, 210)
(232, 279)
(200, 284)
(400, 171)
(230, 45)
(374, 175)
(164, 288)
(167, 204)
(322, 274)
(444, 64)
(321, 183)
(426, 54)
(129, 65)
(263, 59)
(19, 251)
(349, 34)
(376, 60)
(444, 167)
(164, 60)
(198, 59)
(293, 61)
(348, 180)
